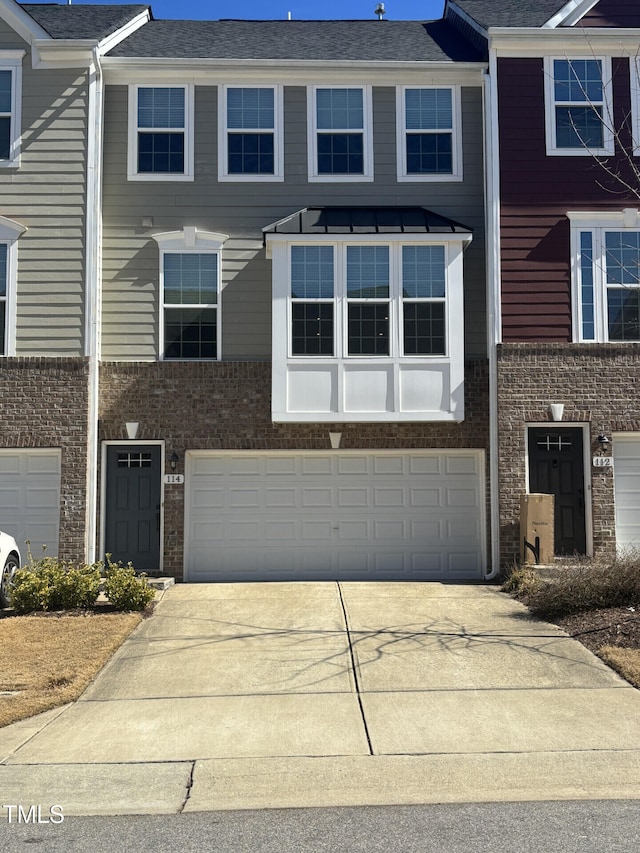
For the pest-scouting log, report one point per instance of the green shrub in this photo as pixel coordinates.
(53, 584)
(126, 590)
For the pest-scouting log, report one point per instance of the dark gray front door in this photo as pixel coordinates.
(556, 467)
(132, 512)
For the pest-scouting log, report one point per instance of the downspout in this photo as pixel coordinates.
(93, 277)
(494, 322)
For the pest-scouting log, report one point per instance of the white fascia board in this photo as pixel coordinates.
(360, 239)
(467, 19)
(63, 53)
(10, 229)
(530, 42)
(130, 27)
(22, 23)
(121, 71)
(570, 14)
(628, 217)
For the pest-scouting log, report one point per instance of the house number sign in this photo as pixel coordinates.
(603, 461)
(174, 479)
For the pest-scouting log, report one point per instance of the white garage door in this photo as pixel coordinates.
(276, 516)
(30, 498)
(626, 478)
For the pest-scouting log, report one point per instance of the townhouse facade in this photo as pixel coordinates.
(564, 195)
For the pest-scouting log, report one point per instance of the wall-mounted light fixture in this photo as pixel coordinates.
(603, 441)
(132, 430)
(557, 410)
(173, 460)
(335, 438)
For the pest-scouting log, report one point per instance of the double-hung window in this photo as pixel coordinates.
(606, 282)
(339, 133)
(4, 289)
(428, 134)
(578, 106)
(10, 107)
(10, 231)
(160, 133)
(190, 294)
(250, 134)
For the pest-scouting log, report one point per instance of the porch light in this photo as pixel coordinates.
(604, 442)
(173, 460)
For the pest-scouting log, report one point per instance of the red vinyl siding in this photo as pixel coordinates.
(536, 192)
(613, 13)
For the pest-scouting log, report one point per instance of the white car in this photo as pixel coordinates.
(10, 563)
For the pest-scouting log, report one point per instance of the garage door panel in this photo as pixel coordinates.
(30, 497)
(626, 478)
(394, 516)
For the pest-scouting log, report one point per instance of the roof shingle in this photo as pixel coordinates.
(510, 13)
(82, 22)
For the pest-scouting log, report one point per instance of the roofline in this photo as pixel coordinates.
(114, 38)
(613, 40)
(21, 21)
(570, 14)
(115, 62)
(464, 16)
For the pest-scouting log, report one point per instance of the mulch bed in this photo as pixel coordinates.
(612, 626)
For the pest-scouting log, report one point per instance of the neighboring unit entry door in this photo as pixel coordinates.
(132, 511)
(556, 467)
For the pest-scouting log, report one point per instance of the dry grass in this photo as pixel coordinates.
(49, 660)
(625, 661)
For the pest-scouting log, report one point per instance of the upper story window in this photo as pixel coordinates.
(429, 136)
(250, 133)
(160, 133)
(190, 294)
(10, 107)
(339, 133)
(606, 281)
(10, 231)
(578, 106)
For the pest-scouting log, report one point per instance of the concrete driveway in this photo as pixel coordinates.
(300, 694)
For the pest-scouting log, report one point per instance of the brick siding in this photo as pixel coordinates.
(597, 384)
(44, 403)
(227, 405)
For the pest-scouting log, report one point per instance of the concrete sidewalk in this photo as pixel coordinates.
(237, 696)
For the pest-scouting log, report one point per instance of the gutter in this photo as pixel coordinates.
(93, 301)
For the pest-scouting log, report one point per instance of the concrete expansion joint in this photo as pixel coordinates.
(189, 788)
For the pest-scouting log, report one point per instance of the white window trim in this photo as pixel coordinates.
(190, 239)
(550, 110)
(634, 70)
(456, 133)
(278, 136)
(12, 61)
(367, 136)
(132, 147)
(10, 231)
(598, 224)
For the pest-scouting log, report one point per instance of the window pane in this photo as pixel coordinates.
(368, 328)
(250, 108)
(624, 314)
(423, 272)
(312, 328)
(367, 272)
(428, 109)
(579, 127)
(429, 153)
(578, 80)
(190, 333)
(2, 325)
(190, 279)
(5, 91)
(250, 154)
(339, 108)
(312, 272)
(622, 258)
(161, 107)
(3, 270)
(5, 138)
(424, 328)
(161, 152)
(587, 294)
(340, 154)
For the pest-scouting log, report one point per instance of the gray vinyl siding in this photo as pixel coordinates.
(47, 194)
(131, 314)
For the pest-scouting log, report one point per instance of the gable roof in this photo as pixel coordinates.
(82, 22)
(511, 13)
(369, 40)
